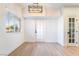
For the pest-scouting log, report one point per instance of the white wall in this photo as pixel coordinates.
(10, 41)
(51, 35)
(61, 31)
(61, 28)
(50, 29)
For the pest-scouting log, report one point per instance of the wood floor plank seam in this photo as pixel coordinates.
(44, 49)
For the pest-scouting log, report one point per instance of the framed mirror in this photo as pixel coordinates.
(13, 23)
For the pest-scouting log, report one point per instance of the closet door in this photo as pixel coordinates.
(30, 35)
(41, 30)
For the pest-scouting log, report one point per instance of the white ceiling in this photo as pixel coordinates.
(56, 5)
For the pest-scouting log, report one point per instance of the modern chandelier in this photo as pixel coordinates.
(35, 8)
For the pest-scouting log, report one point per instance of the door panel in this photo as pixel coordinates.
(41, 30)
(30, 30)
(72, 31)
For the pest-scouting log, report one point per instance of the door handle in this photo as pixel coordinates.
(35, 31)
(68, 32)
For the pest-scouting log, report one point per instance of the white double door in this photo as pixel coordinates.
(35, 30)
(40, 30)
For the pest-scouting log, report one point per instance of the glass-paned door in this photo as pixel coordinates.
(72, 32)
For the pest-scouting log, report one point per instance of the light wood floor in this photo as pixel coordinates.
(45, 49)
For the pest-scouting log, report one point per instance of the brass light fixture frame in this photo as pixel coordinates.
(35, 8)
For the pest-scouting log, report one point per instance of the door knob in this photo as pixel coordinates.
(35, 31)
(68, 32)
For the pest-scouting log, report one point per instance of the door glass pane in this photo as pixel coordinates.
(73, 24)
(69, 35)
(73, 19)
(69, 19)
(69, 40)
(71, 30)
(72, 40)
(73, 35)
(69, 25)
